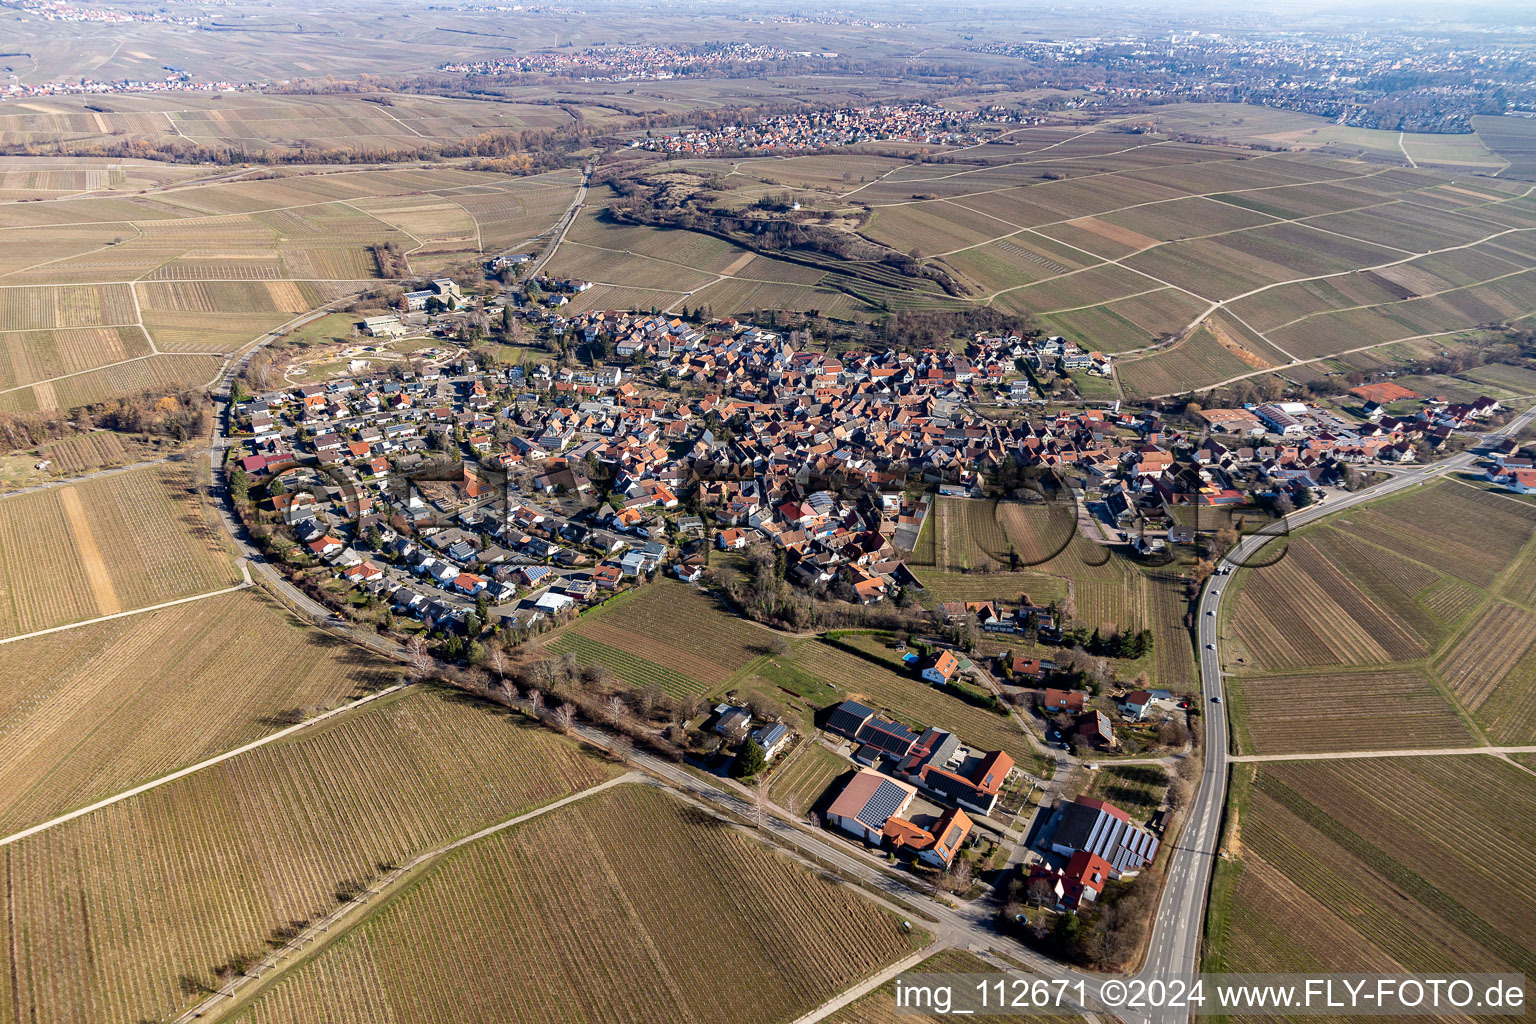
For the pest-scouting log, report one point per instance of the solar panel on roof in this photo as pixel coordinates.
(886, 735)
(882, 805)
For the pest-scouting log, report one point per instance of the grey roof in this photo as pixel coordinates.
(848, 716)
(939, 744)
(769, 735)
(1125, 846)
(891, 737)
(881, 805)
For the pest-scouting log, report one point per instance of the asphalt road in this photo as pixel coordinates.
(1176, 935)
(558, 234)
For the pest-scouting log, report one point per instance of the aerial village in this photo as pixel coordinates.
(466, 496)
(803, 132)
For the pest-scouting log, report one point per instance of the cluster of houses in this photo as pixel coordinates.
(1093, 727)
(1042, 353)
(898, 764)
(625, 63)
(1513, 467)
(736, 724)
(1313, 441)
(771, 440)
(824, 129)
(1101, 844)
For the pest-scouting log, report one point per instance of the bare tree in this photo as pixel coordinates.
(623, 748)
(548, 672)
(565, 717)
(813, 819)
(535, 701)
(648, 699)
(1041, 891)
(496, 661)
(418, 657)
(960, 875)
(760, 813)
(615, 710)
(792, 805)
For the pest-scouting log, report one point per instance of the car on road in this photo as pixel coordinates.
(1215, 593)
(1211, 611)
(1215, 700)
(1210, 647)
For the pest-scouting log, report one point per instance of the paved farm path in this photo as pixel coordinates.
(1339, 755)
(871, 983)
(96, 474)
(199, 766)
(241, 989)
(135, 611)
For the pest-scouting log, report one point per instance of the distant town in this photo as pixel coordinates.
(919, 123)
(629, 63)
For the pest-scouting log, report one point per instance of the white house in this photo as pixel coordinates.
(553, 602)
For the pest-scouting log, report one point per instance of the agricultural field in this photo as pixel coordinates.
(665, 896)
(1019, 259)
(223, 859)
(604, 265)
(1128, 323)
(1427, 523)
(1439, 630)
(94, 710)
(277, 123)
(1242, 123)
(1335, 869)
(1201, 359)
(972, 544)
(1517, 379)
(30, 356)
(113, 295)
(1376, 710)
(1484, 655)
(1136, 789)
(1307, 609)
(44, 308)
(1135, 242)
(738, 295)
(666, 635)
(1174, 650)
(105, 545)
(915, 703)
(133, 377)
(1514, 139)
(685, 248)
(804, 779)
(879, 1007)
(981, 535)
(943, 585)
